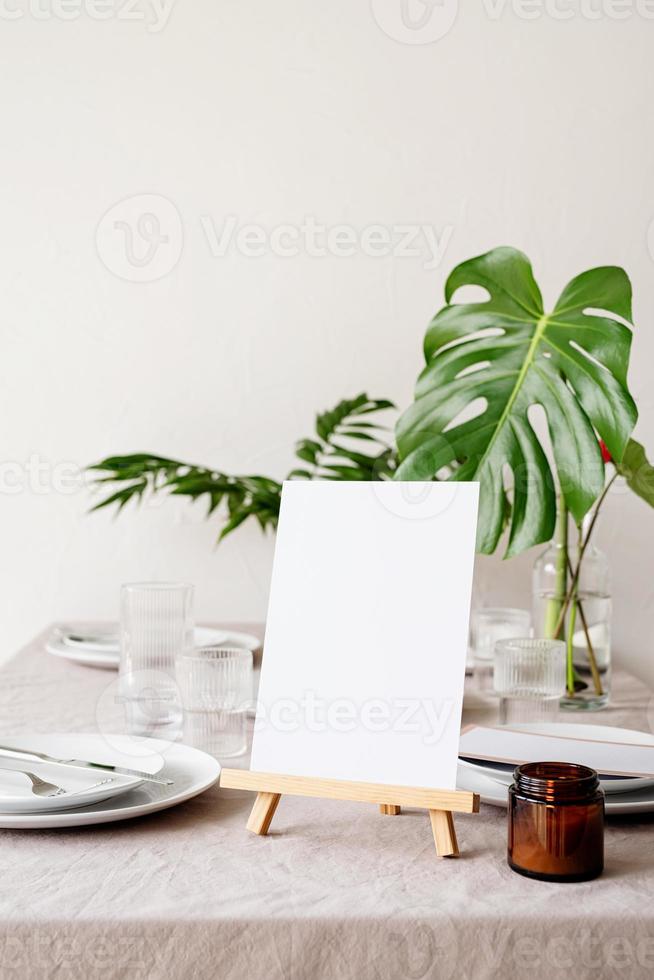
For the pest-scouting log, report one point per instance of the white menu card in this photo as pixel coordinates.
(367, 632)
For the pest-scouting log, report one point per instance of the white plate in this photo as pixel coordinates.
(102, 638)
(95, 651)
(503, 774)
(230, 638)
(504, 777)
(107, 640)
(192, 772)
(89, 658)
(83, 787)
(494, 793)
(641, 801)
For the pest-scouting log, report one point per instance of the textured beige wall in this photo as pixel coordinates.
(508, 129)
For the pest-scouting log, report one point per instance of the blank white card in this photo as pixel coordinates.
(367, 631)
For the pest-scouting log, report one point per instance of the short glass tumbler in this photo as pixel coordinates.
(529, 677)
(156, 627)
(487, 626)
(216, 689)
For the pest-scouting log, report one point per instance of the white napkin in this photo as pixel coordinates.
(504, 744)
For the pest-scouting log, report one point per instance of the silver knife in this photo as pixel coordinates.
(7, 752)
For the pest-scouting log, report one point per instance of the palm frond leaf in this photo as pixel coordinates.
(138, 475)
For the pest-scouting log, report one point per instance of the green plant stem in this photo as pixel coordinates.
(592, 660)
(582, 550)
(553, 627)
(570, 669)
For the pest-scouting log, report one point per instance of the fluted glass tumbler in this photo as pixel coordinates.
(156, 628)
(216, 690)
(529, 676)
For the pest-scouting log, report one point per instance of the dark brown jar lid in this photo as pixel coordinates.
(555, 782)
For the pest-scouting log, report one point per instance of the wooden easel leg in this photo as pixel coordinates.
(389, 809)
(442, 825)
(262, 812)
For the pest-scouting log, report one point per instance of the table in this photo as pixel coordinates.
(335, 890)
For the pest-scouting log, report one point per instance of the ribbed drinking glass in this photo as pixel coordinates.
(156, 628)
(216, 690)
(529, 677)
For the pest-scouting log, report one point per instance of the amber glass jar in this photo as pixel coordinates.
(556, 822)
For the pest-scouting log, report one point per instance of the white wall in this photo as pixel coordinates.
(507, 130)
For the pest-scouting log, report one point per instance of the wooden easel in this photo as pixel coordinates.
(270, 787)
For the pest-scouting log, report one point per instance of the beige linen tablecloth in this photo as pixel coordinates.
(336, 890)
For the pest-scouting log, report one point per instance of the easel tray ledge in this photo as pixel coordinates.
(457, 801)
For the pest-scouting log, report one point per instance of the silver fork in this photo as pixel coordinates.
(39, 786)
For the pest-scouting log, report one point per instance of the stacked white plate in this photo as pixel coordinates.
(101, 647)
(624, 794)
(96, 795)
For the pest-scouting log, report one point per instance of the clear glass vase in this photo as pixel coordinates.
(579, 615)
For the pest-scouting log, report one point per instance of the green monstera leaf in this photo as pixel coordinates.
(504, 355)
(637, 471)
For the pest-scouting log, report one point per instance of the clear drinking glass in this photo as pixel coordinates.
(489, 625)
(216, 689)
(529, 677)
(156, 627)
